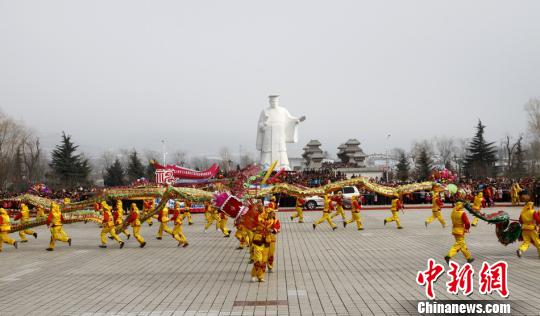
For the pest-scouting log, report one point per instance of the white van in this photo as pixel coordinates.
(313, 202)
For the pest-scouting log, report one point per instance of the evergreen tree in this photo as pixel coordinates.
(18, 172)
(481, 155)
(518, 167)
(403, 167)
(69, 168)
(150, 171)
(423, 165)
(135, 169)
(114, 175)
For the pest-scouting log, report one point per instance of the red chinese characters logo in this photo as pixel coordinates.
(428, 277)
(494, 278)
(460, 279)
(165, 176)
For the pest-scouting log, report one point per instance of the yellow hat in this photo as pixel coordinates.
(3, 211)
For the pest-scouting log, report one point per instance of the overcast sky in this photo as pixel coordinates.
(123, 74)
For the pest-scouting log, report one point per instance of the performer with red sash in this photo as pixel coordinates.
(355, 212)
(261, 246)
(328, 208)
(135, 222)
(119, 217)
(163, 219)
(299, 210)
(436, 206)
(396, 206)
(5, 228)
(177, 230)
(477, 206)
(460, 226)
(338, 200)
(273, 204)
(107, 225)
(530, 221)
(149, 206)
(187, 212)
(275, 228)
(55, 222)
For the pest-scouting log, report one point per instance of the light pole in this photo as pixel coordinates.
(386, 148)
(164, 152)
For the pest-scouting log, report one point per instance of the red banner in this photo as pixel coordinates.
(171, 173)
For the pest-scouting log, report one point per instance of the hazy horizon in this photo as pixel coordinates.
(127, 74)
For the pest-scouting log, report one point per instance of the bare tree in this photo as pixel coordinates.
(510, 153)
(246, 160)
(180, 157)
(445, 148)
(21, 158)
(532, 108)
(420, 146)
(200, 163)
(226, 160)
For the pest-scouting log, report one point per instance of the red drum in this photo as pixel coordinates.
(232, 206)
(249, 217)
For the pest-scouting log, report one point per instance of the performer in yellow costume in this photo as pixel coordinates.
(134, 220)
(149, 206)
(273, 204)
(211, 216)
(530, 221)
(187, 212)
(242, 235)
(119, 218)
(460, 226)
(55, 221)
(275, 228)
(208, 213)
(259, 207)
(328, 208)
(5, 228)
(516, 189)
(40, 213)
(261, 247)
(477, 206)
(177, 230)
(107, 225)
(24, 216)
(436, 206)
(338, 199)
(355, 212)
(163, 219)
(223, 219)
(395, 207)
(299, 210)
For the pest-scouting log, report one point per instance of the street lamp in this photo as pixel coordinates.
(164, 152)
(386, 147)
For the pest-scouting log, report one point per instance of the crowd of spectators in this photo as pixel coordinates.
(312, 177)
(73, 195)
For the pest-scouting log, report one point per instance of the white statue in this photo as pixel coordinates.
(276, 128)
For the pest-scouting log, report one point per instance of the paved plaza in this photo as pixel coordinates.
(321, 272)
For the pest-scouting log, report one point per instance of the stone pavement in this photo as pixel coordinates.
(321, 272)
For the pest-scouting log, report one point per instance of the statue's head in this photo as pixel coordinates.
(274, 100)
